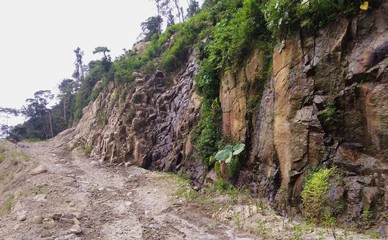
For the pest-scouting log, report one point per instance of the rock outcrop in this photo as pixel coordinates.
(150, 127)
(325, 104)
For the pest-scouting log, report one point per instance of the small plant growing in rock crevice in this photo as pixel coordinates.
(226, 155)
(330, 116)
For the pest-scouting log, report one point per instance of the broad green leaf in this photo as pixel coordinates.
(228, 148)
(229, 157)
(223, 155)
(238, 148)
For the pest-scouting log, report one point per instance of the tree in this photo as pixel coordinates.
(192, 9)
(164, 9)
(179, 10)
(6, 112)
(10, 111)
(39, 114)
(170, 18)
(103, 50)
(151, 26)
(159, 20)
(66, 95)
(106, 60)
(79, 68)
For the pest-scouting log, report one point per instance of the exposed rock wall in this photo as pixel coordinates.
(326, 104)
(234, 94)
(150, 127)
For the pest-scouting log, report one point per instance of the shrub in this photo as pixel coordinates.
(207, 132)
(283, 16)
(223, 186)
(8, 205)
(330, 116)
(314, 194)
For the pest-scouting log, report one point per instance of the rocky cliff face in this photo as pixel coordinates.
(150, 127)
(325, 103)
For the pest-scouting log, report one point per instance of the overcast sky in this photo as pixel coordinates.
(38, 37)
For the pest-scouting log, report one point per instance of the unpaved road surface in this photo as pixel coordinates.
(77, 198)
(50, 192)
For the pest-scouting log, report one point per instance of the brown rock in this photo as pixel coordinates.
(38, 170)
(76, 229)
(48, 223)
(37, 220)
(21, 216)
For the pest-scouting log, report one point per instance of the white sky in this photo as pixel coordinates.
(38, 38)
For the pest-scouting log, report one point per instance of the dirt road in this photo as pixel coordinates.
(77, 198)
(50, 192)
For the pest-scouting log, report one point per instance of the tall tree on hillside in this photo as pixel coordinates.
(170, 18)
(166, 10)
(151, 26)
(106, 60)
(66, 96)
(179, 10)
(192, 9)
(38, 112)
(158, 4)
(7, 113)
(79, 68)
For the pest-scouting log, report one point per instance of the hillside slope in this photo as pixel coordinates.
(316, 101)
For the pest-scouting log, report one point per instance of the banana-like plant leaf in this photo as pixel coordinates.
(238, 148)
(224, 155)
(229, 158)
(228, 148)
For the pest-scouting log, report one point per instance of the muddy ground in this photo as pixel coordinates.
(50, 192)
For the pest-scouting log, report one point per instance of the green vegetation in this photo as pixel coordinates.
(229, 151)
(224, 187)
(314, 195)
(31, 140)
(367, 215)
(8, 205)
(284, 16)
(87, 150)
(227, 156)
(297, 232)
(207, 132)
(12, 154)
(2, 157)
(330, 116)
(222, 33)
(186, 192)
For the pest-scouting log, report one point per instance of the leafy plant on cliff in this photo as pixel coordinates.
(314, 194)
(226, 156)
(330, 116)
(236, 25)
(207, 132)
(189, 34)
(283, 16)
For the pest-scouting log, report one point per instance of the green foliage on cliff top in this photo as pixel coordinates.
(168, 51)
(284, 16)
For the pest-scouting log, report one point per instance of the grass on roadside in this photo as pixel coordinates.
(7, 206)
